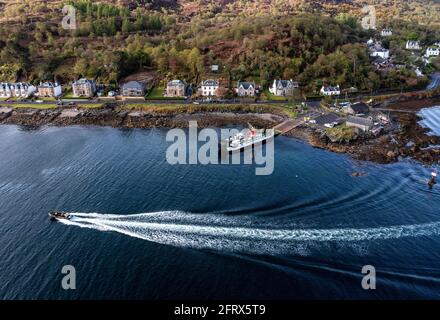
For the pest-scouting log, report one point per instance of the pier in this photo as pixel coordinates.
(288, 125)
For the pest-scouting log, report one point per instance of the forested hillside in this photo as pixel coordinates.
(314, 42)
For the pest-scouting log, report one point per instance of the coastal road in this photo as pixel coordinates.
(435, 81)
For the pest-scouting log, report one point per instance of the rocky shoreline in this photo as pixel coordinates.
(133, 118)
(409, 141)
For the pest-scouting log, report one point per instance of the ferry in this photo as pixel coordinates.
(59, 215)
(242, 140)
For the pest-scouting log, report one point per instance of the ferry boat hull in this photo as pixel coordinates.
(232, 147)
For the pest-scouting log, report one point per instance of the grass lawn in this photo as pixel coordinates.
(68, 94)
(269, 96)
(34, 106)
(156, 93)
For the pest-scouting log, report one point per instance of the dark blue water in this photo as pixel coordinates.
(144, 229)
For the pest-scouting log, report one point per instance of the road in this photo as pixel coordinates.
(435, 81)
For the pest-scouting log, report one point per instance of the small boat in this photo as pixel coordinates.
(432, 181)
(59, 215)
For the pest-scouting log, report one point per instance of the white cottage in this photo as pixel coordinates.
(413, 45)
(386, 33)
(19, 90)
(283, 87)
(209, 88)
(432, 52)
(330, 91)
(382, 53)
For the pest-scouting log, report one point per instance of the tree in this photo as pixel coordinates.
(221, 92)
(126, 26)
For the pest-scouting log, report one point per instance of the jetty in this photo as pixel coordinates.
(288, 125)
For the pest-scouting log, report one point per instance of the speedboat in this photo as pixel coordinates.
(59, 215)
(432, 181)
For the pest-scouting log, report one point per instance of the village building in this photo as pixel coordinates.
(432, 52)
(133, 89)
(413, 45)
(19, 90)
(382, 53)
(176, 88)
(209, 88)
(283, 88)
(357, 109)
(84, 88)
(362, 123)
(5, 90)
(49, 90)
(386, 33)
(329, 120)
(376, 49)
(330, 91)
(245, 89)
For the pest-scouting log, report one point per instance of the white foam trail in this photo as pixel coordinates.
(238, 234)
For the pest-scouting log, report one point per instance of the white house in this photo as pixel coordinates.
(431, 51)
(283, 87)
(413, 45)
(383, 53)
(5, 90)
(245, 89)
(386, 33)
(330, 91)
(20, 90)
(209, 87)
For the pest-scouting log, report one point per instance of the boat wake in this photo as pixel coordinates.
(235, 234)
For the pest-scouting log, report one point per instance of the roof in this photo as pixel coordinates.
(176, 83)
(360, 107)
(283, 83)
(83, 81)
(331, 88)
(210, 83)
(328, 118)
(133, 84)
(360, 121)
(48, 85)
(246, 85)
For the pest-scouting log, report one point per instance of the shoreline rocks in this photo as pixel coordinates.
(411, 141)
